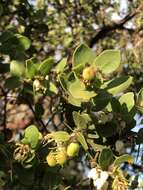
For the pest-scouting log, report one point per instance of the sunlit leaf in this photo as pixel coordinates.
(108, 61)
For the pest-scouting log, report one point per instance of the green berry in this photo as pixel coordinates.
(88, 73)
(51, 159)
(73, 149)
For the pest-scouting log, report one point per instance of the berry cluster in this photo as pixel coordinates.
(60, 156)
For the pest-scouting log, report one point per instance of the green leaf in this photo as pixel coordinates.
(108, 61)
(83, 55)
(74, 101)
(127, 100)
(81, 120)
(124, 158)
(140, 98)
(53, 88)
(24, 41)
(31, 136)
(107, 130)
(106, 158)
(12, 82)
(46, 66)
(31, 68)
(4, 68)
(96, 147)
(101, 100)
(62, 78)
(114, 105)
(82, 140)
(51, 179)
(92, 135)
(77, 90)
(6, 35)
(60, 136)
(140, 109)
(117, 85)
(78, 69)
(26, 176)
(61, 65)
(40, 4)
(17, 68)
(2, 179)
(1, 9)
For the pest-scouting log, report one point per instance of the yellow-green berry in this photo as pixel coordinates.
(61, 157)
(51, 159)
(88, 73)
(73, 149)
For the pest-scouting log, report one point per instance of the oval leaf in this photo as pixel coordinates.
(106, 158)
(60, 136)
(127, 100)
(31, 136)
(117, 85)
(108, 61)
(82, 140)
(124, 158)
(46, 66)
(83, 55)
(77, 90)
(17, 68)
(12, 82)
(61, 65)
(24, 41)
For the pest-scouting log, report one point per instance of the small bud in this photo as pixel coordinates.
(119, 145)
(37, 84)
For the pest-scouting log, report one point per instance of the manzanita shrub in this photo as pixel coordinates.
(98, 111)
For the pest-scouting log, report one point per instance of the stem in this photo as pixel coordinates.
(5, 111)
(39, 120)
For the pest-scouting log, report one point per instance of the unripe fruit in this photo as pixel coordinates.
(73, 149)
(51, 159)
(61, 157)
(88, 73)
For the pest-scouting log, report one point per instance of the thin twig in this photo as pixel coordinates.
(5, 111)
(39, 120)
(104, 31)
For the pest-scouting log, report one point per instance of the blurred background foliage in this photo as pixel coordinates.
(57, 27)
(42, 28)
